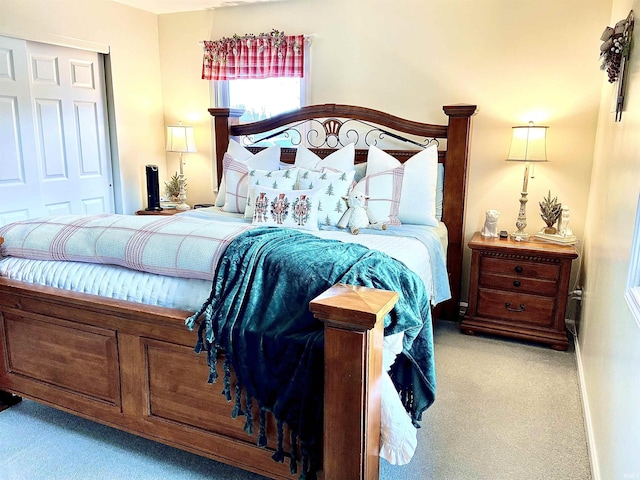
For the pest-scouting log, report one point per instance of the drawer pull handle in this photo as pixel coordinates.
(516, 283)
(508, 307)
(518, 269)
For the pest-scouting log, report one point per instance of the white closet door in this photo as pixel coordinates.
(19, 178)
(60, 136)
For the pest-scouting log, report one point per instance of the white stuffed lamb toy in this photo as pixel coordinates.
(358, 216)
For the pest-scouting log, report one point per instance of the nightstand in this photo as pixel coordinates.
(166, 211)
(519, 289)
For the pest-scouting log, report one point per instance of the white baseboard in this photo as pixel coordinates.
(591, 444)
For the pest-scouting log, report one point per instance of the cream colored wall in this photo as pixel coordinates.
(609, 338)
(131, 37)
(186, 96)
(518, 61)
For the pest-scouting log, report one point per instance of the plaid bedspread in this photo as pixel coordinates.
(177, 245)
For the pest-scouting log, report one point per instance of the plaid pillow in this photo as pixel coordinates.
(383, 191)
(238, 178)
(418, 185)
(267, 159)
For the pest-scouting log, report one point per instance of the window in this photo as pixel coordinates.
(261, 98)
(265, 97)
(632, 293)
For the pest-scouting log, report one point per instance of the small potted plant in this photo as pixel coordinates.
(172, 188)
(550, 211)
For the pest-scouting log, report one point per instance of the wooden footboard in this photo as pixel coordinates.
(132, 367)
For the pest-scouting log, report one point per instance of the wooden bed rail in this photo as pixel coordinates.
(353, 318)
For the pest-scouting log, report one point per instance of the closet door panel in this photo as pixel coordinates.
(19, 176)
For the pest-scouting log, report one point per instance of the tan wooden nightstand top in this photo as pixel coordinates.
(532, 246)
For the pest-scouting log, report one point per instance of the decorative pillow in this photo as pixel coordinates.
(238, 176)
(333, 186)
(383, 191)
(418, 185)
(235, 185)
(267, 159)
(283, 179)
(286, 208)
(341, 160)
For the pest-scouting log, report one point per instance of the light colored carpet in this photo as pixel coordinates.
(504, 410)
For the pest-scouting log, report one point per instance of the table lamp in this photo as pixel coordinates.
(528, 144)
(180, 139)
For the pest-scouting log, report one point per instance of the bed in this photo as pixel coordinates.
(131, 364)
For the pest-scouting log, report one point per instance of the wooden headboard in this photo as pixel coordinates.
(453, 140)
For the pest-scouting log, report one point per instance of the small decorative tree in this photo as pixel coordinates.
(172, 187)
(550, 211)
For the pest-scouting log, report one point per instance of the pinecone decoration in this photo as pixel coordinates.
(550, 211)
(613, 70)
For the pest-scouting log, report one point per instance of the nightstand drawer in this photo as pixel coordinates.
(521, 268)
(522, 308)
(516, 283)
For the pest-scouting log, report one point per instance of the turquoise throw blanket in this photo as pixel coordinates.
(258, 314)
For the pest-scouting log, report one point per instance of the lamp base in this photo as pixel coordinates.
(182, 197)
(520, 235)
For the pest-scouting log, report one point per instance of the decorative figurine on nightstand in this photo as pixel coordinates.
(563, 224)
(490, 228)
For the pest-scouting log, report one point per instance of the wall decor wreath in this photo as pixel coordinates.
(616, 43)
(614, 53)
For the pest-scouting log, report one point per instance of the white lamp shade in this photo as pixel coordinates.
(528, 144)
(180, 138)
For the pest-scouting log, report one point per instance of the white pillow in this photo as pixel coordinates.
(267, 159)
(419, 183)
(341, 160)
(383, 192)
(333, 186)
(286, 208)
(283, 179)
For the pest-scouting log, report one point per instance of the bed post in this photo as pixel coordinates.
(6, 399)
(455, 188)
(223, 118)
(353, 318)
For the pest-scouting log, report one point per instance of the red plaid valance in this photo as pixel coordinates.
(254, 56)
